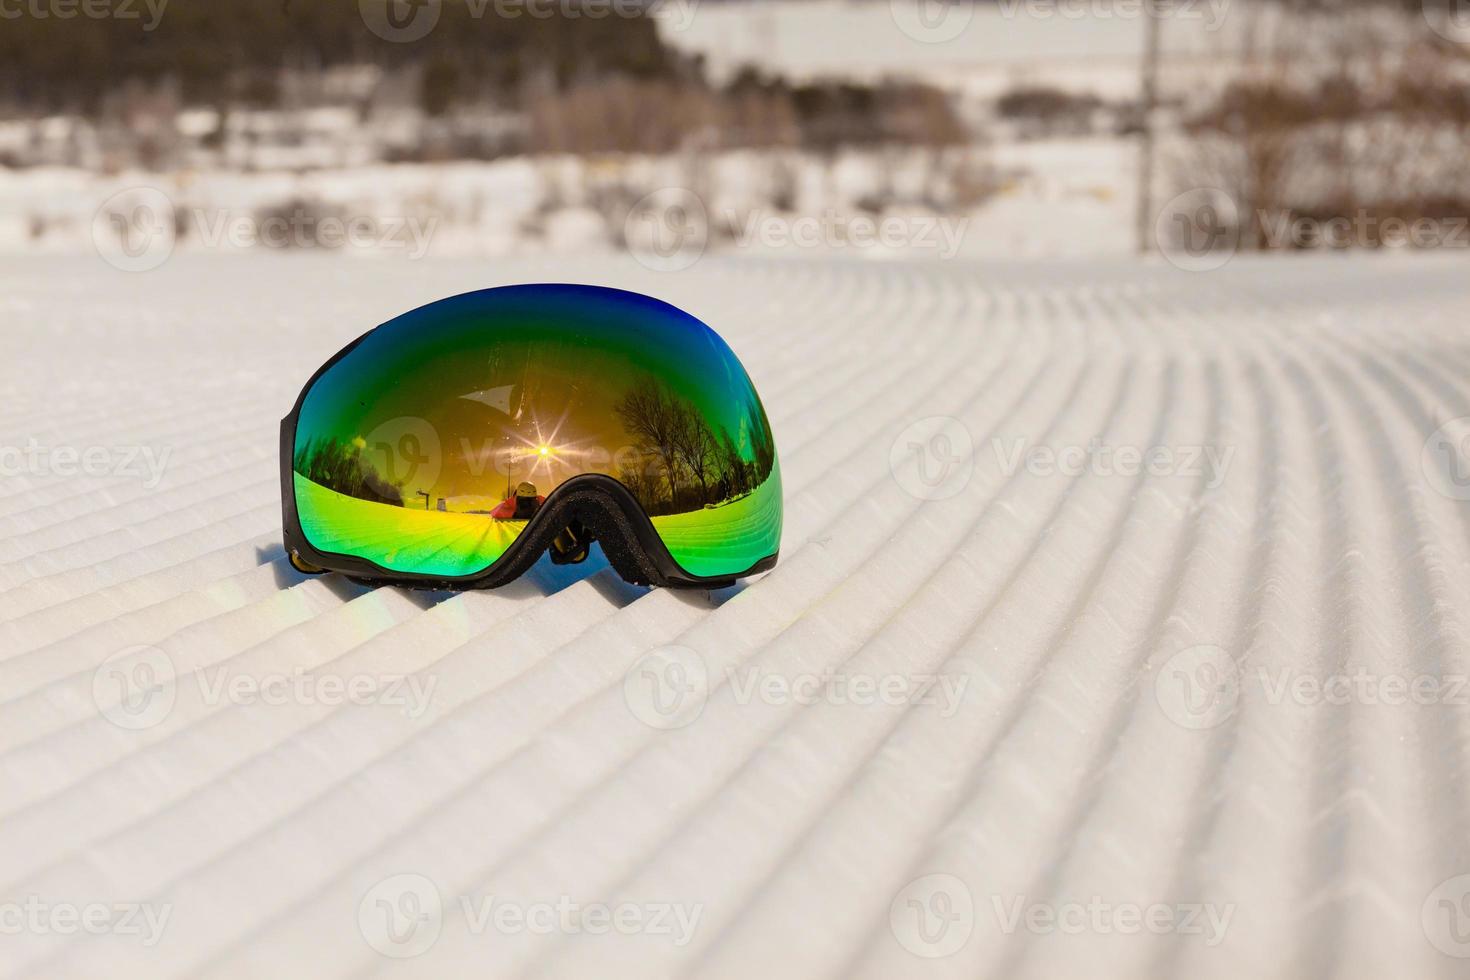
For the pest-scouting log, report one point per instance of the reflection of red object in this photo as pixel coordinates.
(517, 508)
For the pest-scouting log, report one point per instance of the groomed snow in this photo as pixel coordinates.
(1121, 717)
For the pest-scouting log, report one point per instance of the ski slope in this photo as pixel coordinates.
(989, 716)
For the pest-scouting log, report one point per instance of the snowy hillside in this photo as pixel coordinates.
(1079, 561)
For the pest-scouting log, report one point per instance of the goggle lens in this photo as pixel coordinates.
(427, 447)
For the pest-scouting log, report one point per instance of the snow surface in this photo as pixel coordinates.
(1064, 608)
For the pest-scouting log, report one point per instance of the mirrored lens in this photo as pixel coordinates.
(430, 444)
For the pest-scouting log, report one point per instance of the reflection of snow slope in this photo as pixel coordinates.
(430, 542)
(1065, 603)
(734, 535)
(405, 539)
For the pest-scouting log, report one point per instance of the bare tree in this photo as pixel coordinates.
(634, 476)
(696, 445)
(1333, 112)
(653, 415)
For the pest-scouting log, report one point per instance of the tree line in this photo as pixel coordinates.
(341, 466)
(684, 464)
(231, 52)
(581, 84)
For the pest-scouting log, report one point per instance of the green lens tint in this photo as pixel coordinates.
(430, 444)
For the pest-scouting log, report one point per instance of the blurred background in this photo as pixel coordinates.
(883, 129)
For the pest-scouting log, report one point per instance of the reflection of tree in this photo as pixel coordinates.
(678, 449)
(652, 415)
(736, 475)
(641, 484)
(762, 442)
(341, 467)
(696, 446)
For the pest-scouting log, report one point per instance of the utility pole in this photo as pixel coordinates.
(1148, 102)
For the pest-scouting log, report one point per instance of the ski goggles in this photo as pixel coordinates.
(454, 445)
